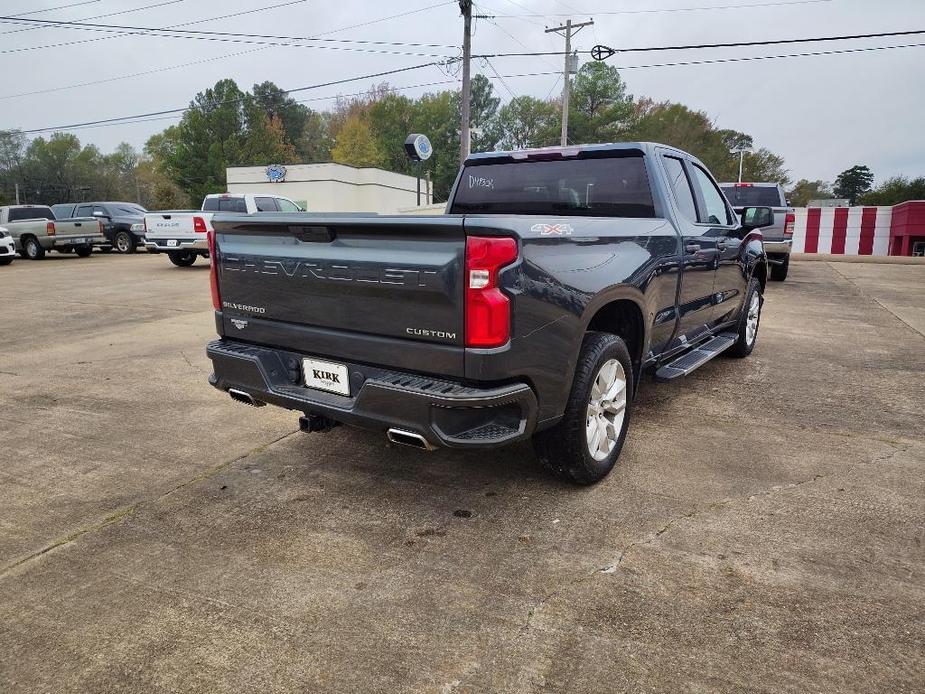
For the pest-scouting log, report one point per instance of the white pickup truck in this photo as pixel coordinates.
(35, 230)
(182, 234)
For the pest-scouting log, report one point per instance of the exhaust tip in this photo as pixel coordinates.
(409, 438)
(246, 398)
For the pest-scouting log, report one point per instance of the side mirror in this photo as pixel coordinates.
(757, 217)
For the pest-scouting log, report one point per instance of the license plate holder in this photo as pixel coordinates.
(172, 243)
(328, 376)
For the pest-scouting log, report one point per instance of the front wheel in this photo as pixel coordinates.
(125, 242)
(586, 443)
(83, 251)
(182, 258)
(748, 321)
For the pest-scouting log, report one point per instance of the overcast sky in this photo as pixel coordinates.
(822, 114)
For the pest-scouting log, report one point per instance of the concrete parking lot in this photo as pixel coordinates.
(763, 531)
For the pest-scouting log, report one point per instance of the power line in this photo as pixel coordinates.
(738, 44)
(59, 7)
(99, 16)
(603, 13)
(384, 73)
(198, 21)
(222, 57)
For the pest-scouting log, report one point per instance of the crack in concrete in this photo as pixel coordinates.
(675, 520)
(130, 510)
(875, 300)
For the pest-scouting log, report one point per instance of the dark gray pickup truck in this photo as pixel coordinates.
(532, 309)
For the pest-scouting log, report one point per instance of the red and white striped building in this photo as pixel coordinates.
(860, 230)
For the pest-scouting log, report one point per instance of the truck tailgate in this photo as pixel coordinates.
(386, 290)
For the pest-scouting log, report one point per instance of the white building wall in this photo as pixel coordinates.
(331, 187)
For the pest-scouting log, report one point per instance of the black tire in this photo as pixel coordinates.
(564, 449)
(744, 346)
(83, 251)
(182, 258)
(124, 242)
(779, 272)
(5, 261)
(32, 249)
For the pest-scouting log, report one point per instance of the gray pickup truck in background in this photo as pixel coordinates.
(778, 237)
(35, 230)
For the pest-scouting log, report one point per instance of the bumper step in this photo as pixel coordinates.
(690, 361)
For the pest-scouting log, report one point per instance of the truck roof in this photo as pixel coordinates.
(637, 148)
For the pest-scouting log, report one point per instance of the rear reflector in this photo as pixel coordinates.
(199, 225)
(50, 229)
(213, 272)
(488, 310)
(789, 221)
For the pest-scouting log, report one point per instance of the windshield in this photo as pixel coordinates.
(606, 187)
(753, 196)
(224, 205)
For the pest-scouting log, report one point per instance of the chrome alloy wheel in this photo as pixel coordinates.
(606, 409)
(751, 320)
(123, 243)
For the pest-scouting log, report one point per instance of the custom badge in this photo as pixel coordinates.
(552, 229)
(238, 323)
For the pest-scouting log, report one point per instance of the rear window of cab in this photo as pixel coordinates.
(224, 205)
(599, 187)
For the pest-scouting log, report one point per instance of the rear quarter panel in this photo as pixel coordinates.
(569, 268)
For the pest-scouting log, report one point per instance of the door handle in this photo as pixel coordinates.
(721, 244)
(77, 224)
(692, 248)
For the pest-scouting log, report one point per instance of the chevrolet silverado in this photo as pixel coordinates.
(531, 310)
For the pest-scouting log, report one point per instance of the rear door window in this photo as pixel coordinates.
(266, 204)
(603, 187)
(224, 205)
(84, 211)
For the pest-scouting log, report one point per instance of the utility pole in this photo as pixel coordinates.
(465, 6)
(741, 151)
(568, 31)
(17, 193)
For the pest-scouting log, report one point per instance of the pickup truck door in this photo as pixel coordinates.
(731, 272)
(698, 254)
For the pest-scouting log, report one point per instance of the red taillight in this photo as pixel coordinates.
(199, 225)
(100, 225)
(213, 273)
(488, 310)
(789, 221)
(50, 228)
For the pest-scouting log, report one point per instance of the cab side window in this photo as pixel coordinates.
(716, 211)
(681, 187)
(266, 205)
(84, 211)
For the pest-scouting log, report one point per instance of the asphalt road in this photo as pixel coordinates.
(763, 531)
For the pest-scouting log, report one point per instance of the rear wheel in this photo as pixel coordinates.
(182, 258)
(125, 242)
(32, 249)
(83, 251)
(748, 322)
(585, 445)
(779, 272)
